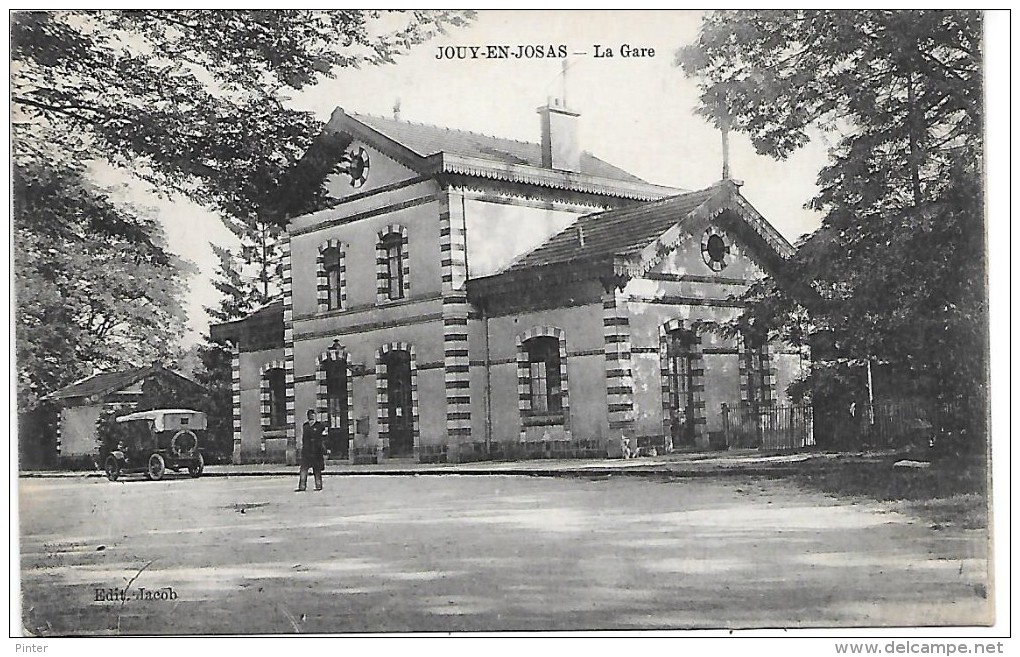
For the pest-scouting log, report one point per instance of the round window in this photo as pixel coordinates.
(357, 166)
(715, 249)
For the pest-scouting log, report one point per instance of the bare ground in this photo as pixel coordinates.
(471, 553)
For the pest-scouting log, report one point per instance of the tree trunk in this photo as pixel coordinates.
(914, 157)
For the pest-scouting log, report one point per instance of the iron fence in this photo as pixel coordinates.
(769, 427)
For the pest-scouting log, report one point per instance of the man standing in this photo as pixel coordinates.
(312, 451)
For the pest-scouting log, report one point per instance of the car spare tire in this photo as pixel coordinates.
(184, 444)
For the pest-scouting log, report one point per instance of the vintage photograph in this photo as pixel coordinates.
(343, 322)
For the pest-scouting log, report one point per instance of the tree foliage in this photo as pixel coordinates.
(215, 375)
(241, 295)
(194, 101)
(896, 273)
(95, 286)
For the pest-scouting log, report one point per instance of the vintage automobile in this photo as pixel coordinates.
(164, 438)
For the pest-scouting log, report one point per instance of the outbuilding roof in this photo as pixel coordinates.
(106, 383)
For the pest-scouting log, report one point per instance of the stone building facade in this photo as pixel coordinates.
(472, 297)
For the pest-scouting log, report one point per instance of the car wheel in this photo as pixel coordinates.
(195, 469)
(157, 467)
(112, 468)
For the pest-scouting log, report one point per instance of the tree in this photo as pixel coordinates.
(193, 101)
(896, 273)
(95, 286)
(215, 375)
(241, 295)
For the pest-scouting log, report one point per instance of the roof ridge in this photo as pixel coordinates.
(131, 373)
(448, 129)
(623, 214)
(644, 204)
(426, 139)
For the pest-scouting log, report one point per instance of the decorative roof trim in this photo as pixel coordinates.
(518, 173)
(342, 122)
(727, 198)
(666, 243)
(452, 163)
(763, 227)
(637, 264)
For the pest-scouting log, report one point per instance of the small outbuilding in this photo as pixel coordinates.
(81, 404)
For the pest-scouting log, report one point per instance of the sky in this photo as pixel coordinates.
(636, 112)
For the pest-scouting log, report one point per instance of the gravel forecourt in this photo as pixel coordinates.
(245, 555)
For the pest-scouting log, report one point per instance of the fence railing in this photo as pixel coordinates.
(881, 425)
(770, 427)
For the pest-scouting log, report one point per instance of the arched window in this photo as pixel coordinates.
(396, 379)
(392, 268)
(334, 398)
(682, 367)
(273, 396)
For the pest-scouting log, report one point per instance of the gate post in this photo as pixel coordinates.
(725, 408)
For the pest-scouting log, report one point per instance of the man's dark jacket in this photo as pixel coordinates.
(312, 449)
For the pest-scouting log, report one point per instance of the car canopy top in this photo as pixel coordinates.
(169, 419)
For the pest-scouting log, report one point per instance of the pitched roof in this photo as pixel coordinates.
(426, 140)
(107, 383)
(430, 150)
(628, 241)
(615, 232)
(262, 329)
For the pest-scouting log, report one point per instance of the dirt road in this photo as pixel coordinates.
(459, 553)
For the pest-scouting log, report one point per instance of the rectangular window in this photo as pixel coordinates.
(680, 371)
(332, 263)
(333, 280)
(544, 376)
(336, 393)
(394, 268)
(539, 388)
(757, 386)
(277, 397)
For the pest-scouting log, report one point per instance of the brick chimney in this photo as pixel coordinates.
(559, 137)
